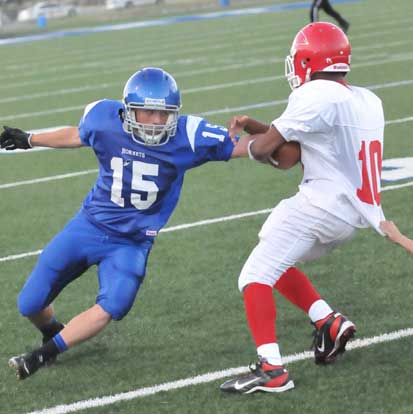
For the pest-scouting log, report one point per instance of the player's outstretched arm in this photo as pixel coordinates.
(61, 138)
(15, 138)
(241, 147)
(394, 234)
(241, 123)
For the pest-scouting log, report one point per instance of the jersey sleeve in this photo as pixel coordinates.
(305, 114)
(208, 142)
(86, 130)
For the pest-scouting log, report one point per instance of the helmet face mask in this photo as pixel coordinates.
(318, 47)
(294, 80)
(156, 90)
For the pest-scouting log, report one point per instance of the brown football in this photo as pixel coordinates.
(286, 156)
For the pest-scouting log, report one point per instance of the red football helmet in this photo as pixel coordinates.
(318, 47)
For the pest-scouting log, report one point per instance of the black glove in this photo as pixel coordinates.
(13, 138)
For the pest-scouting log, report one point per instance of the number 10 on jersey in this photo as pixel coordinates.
(370, 156)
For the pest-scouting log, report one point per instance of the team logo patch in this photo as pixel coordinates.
(155, 102)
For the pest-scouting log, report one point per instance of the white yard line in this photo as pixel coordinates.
(208, 377)
(400, 121)
(203, 39)
(119, 66)
(216, 220)
(120, 59)
(164, 230)
(405, 82)
(20, 256)
(174, 228)
(101, 86)
(45, 179)
(397, 186)
(195, 224)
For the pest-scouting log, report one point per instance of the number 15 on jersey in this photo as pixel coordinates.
(139, 169)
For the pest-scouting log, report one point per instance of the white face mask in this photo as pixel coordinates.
(293, 80)
(150, 134)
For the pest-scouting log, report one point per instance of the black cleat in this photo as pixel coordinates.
(26, 364)
(331, 338)
(263, 377)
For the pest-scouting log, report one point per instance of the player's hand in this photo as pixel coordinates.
(14, 138)
(235, 125)
(390, 230)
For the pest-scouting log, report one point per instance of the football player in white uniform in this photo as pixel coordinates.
(340, 132)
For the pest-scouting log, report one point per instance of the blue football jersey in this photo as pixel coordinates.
(138, 186)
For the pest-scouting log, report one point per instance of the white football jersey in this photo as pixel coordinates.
(340, 130)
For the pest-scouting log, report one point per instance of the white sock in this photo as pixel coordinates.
(319, 310)
(271, 352)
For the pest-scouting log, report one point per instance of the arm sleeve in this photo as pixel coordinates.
(208, 142)
(303, 116)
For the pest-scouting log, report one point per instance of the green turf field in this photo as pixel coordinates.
(188, 319)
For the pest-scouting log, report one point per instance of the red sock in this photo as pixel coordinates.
(295, 286)
(260, 309)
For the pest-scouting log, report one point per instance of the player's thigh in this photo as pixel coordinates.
(62, 260)
(295, 219)
(294, 232)
(320, 249)
(270, 259)
(120, 276)
(284, 238)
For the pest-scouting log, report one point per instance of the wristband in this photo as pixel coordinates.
(273, 162)
(29, 140)
(251, 157)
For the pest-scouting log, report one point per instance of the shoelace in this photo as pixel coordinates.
(254, 366)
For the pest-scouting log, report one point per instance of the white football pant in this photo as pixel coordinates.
(295, 231)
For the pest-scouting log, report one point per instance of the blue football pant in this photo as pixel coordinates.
(121, 268)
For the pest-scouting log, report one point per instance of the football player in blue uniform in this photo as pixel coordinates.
(144, 149)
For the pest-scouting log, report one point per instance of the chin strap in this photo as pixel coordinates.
(307, 75)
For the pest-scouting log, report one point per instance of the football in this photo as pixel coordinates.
(286, 156)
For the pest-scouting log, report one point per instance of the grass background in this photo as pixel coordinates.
(188, 318)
